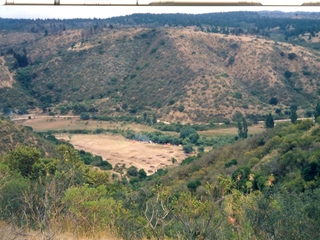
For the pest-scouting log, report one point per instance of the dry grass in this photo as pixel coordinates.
(45, 123)
(118, 151)
(232, 131)
(11, 232)
(258, 66)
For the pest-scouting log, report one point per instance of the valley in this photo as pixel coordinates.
(116, 149)
(161, 126)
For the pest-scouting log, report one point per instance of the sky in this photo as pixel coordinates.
(67, 12)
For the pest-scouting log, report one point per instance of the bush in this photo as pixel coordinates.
(186, 132)
(84, 116)
(153, 50)
(273, 101)
(230, 163)
(237, 95)
(132, 171)
(181, 108)
(142, 174)
(188, 160)
(292, 56)
(192, 185)
(23, 77)
(231, 60)
(201, 149)
(287, 74)
(50, 86)
(188, 148)
(78, 109)
(105, 165)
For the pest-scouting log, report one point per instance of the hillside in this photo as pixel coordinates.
(263, 187)
(13, 135)
(188, 74)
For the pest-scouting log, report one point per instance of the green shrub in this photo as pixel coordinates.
(84, 116)
(153, 50)
(188, 148)
(132, 171)
(192, 185)
(230, 163)
(237, 95)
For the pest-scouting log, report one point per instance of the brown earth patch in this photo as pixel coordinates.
(117, 149)
(6, 78)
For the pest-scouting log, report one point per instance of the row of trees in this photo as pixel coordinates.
(269, 121)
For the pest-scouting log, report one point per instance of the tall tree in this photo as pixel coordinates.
(317, 111)
(269, 121)
(243, 128)
(240, 129)
(293, 116)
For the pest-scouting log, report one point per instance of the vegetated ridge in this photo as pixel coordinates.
(13, 135)
(190, 73)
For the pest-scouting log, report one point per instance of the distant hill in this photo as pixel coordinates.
(204, 67)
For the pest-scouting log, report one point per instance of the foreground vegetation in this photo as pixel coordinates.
(262, 187)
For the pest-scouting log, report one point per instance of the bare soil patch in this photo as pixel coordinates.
(45, 123)
(6, 78)
(115, 148)
(118, 150)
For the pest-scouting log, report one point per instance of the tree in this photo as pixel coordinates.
(292, 56)
(288, 74)
(154, 119)
(90, 210)
(189, 132)
(142, 174)
(181, 108)
(240, 129)
(132, 171)
(273, 101)
(24, 78)
(84, 116)
(157, 211)
(317, 111)
(243, 128)
(193, 184)
(22, 160)
(188, 148)
(293, 116)
(269, 121)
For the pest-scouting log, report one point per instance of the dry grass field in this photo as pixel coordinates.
(46, 123)
(115, 148)
(118, 151)
(254, 129)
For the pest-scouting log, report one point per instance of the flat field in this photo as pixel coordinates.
(115, 148)
(118, 150)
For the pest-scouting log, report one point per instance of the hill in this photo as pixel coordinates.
(205, 69)
(13, 135)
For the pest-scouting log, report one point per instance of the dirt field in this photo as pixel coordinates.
(45, 123)
(118, 150)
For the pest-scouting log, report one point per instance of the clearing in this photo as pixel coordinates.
(115, 148)
(118, 151)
